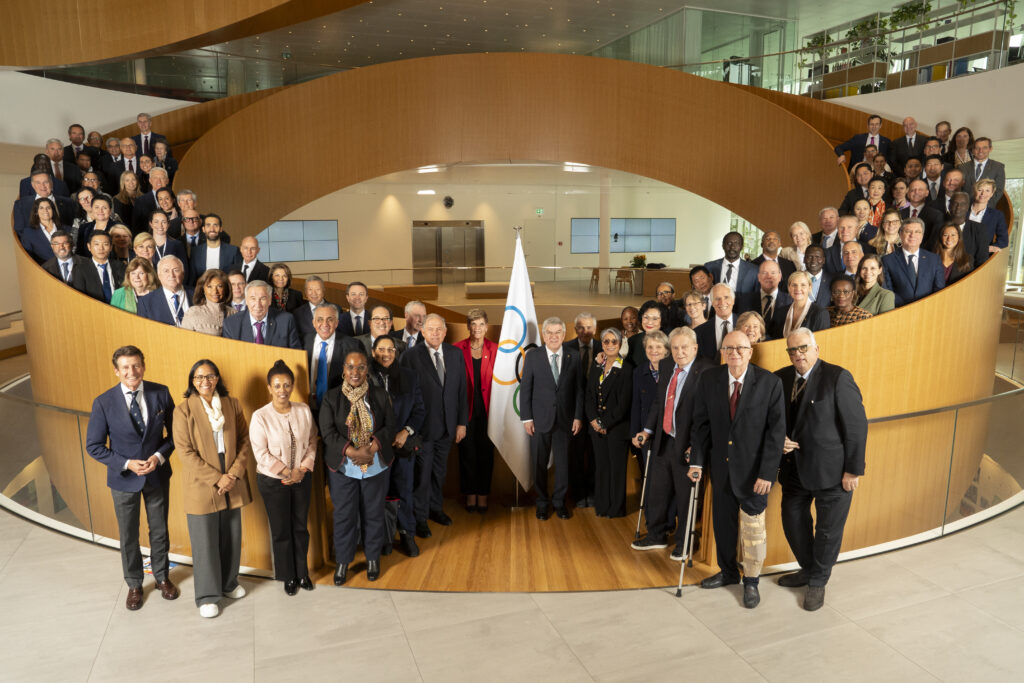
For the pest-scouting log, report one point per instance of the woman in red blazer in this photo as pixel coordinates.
(476, 452)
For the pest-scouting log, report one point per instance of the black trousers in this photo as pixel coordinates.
(581, 465)
(127, 509)
(543, 444)
(816, 546)
(431, 470)
(725, 514)
(611, 459)
(476, 459)
(668, 494)
(355, 500)
(401, 486)
(288, 514)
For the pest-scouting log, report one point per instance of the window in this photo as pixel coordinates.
(299, 241)
(633, 235)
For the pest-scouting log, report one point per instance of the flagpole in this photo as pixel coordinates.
(518, 230)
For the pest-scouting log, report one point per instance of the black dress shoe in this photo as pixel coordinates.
(794, 580)
(751, 597)
(372, 570)
(305, 584)
(717, 581)
(291, 586)
(814, 598)
(563, 512)
(542, 515)
(482, 509)
(584, 503)
(409, 546)
(340, 574)
(470, 508)
(441, 518)
(422, 530)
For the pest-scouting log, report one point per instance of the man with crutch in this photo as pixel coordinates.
(668, 428)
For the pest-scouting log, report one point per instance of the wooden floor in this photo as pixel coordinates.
(510, 550)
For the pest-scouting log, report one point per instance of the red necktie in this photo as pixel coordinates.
(667, 423)
(913, 213)
(734, 400)
(58, 171)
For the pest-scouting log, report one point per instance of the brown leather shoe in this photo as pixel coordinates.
(134, 600)
(168, 590)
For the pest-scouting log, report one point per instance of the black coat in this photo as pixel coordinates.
(550, 405)
(609, 401)
(446, 406)
(334, 430)
(815, 320)
(684, 410)
(342, 347)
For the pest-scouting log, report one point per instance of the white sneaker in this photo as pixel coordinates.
(239, 592)
(209, 611)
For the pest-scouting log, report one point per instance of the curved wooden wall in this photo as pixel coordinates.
(64, 32)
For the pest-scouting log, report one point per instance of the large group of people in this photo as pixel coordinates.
(672, 382)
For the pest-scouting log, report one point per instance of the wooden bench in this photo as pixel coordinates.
(488, 290)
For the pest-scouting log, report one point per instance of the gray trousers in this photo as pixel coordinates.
(216, 553)
(127, 509)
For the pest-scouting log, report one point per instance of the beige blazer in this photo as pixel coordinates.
(196, 449)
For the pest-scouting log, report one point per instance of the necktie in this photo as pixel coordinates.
(259, 332)
(668, 422)
(814, 286)
(913, 267)
(977, 171)
(439, 366)
(321, 373)
(107, 291)
(725, 331)
(728, 273)
(913, 213)
(145, 145)
(554, 366)
(932, 189)
(798, 387)
(766, 305)
(585, 358)
(239, 307)
(910, 142)
(58, 171)
(871, 140)
(67, 271)
(136, 414)
(178, 313)
(245, 272)
(131, 165)
(359, 326)
(734, 400)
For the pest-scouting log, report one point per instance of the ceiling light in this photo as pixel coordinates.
(425, 192)
(571, 167)
(428, 169)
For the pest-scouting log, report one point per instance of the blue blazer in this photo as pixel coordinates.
(747, 279)
(229, 256)
(899, 276)
(60, 188)
(36, 244)
(154, 306)
(280, 329)
(995, 224)
(446, 407)
(824, 298)
(408, 405)
(111, 422)
(855, 146)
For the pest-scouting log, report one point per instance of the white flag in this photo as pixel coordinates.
(518, 333)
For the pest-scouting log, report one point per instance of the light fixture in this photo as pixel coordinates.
(425, 192)
(428, 169)
(571, 167)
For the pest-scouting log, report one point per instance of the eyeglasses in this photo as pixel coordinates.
(664, 291)
(793, 350)
(610, 341)
(736, 349)
(652, 318)
(199, 379)
(191, 219)
(380, 320)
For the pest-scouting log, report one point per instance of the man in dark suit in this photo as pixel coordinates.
(65, 265)
(551, 408)
(354, 323)
(952, 183)
(312, 292)
(983, 167)
(913, 273)
(701, 282)
(931, 218)
(42, 186)
(263, 324)
(146, 204)
(668, 427)
(828, 239)
(441, 370)
(826, 433)
(855, 145)
(192, 234)
(739, 427)
(862, 175)
(771, 244)
(581, 447)
(41, 163)
(146, 138)
(380, 326)
(252, 268)
(325, 354)
(102, 276)
(906, 147)
(76, 134)
(168, 303)
(412, 333)
(203, 258)
(771, 297)
(61, 168)
(665, 294)
(130, 433)
(112, 166)
(731, 269)
(814, 261)
(711, 332)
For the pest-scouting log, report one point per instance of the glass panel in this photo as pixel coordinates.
(663, 242)
(326, 250)
(637, 243)
(585, 226)
(663, 226)
(286, 251)
(638, 226)
(585, 245)
(320, 230)
(286, 231)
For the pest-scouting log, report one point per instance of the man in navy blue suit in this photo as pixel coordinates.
(731, 269)
(711, 332)
(262, 324)
(855, 145)
(168, 303)
(130, 432)
(42, 186)
(913, 273)
(821, 281)
(771, 297)
(355, 322)
(146, 138)
(214, 252)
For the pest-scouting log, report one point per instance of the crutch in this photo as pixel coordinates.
(691, 513)
(643, 488)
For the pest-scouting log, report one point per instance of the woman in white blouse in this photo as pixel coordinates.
(801, 236)
(283, 437)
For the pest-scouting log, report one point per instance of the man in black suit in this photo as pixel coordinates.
(192, 234)
(931, 218)
(862, 175)
(668, 427)
(263, 324)
(354, 323)
(65, 265)
(112, 166)
(42, 186)
(952, 183)
(711, 332)
(738, 432)
(146, 138)
(771, 245)
(325, 354)
(771, 298)
(169, 303)
(130, 433)
(665, 295)
(906, 147)
(828, 239)
(380, 326)
(146, 204)
(102, 276)
(41, 162)
(855, 145)
(313, 293)
(213, 252)
(252, 268)
(701, 282)
(76, 134)
(441, 370)
(731, 269)
(61, 168)
(826, 433)
(551, 408)
(814, 261)
(415, 314)
(581, 447)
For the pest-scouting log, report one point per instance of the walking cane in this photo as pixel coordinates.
(643, 489)
(688, 538)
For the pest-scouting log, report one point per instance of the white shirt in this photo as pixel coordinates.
(982, 165)
(71, 266)
(140, 398)
(976, 217)
(735, 279)
(212, 256)
(410, 338)
(110, 273)
(362, 315)
(719, 335)
(182, 303)
(247, 268)
(827, 239)
(910, 140)
(872, 140)
(316, 357)
(915, 254)
(766, 257)
(49, 234)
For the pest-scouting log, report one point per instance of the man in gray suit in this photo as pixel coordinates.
(263, 324)
(983, 167)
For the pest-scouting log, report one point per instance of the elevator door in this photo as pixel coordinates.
(447, 252)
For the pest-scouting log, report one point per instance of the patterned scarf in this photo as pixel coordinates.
(359, 421)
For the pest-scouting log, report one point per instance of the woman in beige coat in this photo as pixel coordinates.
(211, 438)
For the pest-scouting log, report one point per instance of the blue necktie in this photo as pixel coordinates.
(321, 373)
(178, 314)
(107, 292)
(136, 414)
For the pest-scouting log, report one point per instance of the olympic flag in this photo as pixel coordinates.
(518, 333)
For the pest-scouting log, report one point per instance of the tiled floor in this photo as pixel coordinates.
(950, 610)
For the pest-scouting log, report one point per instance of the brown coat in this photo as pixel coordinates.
(195, 446)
